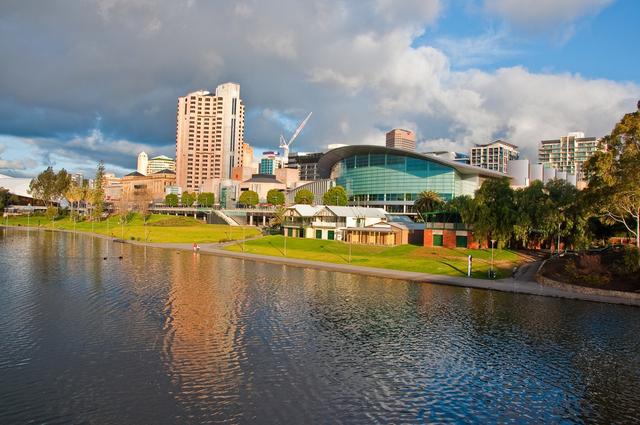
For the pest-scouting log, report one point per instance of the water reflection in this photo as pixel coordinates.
(163, 337)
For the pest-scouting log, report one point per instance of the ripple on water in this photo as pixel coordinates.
(162, 338)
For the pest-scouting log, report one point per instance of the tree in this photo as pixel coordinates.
(335, 196)
(614, 175)
(97, 194)
(142, 200)
(43, 187)
(63, 181)
(248, 198)
(187, 199)
(49, 186)
(428, 202)
(73, 195)
(304, 196)
(495, 210)
(465, 207)
(275, 197)
(206, 199)
(171, 200)
(5, 197)
(278, 216)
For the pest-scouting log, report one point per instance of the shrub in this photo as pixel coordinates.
(628, 263)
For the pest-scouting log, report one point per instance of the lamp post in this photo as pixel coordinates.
(493, 241)
(560, 210)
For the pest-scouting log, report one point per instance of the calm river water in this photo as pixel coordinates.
(168, 337)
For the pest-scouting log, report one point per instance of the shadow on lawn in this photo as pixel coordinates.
(322, 247)
(453, 267)
(277, 248)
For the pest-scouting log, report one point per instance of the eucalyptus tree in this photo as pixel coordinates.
(614, 175)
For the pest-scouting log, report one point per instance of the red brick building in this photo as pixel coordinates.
(450, 235)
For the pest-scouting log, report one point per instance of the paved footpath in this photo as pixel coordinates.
(522, 283)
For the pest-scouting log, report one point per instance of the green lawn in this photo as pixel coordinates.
(437, 260)
(159, 228)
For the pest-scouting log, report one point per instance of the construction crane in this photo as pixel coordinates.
(285, 145)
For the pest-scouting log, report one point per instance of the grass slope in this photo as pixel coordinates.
(159, 228)
(438, 260)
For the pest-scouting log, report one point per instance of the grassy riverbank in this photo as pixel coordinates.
(444, 261)
(159, 228)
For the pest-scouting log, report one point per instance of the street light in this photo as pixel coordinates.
(493, 241)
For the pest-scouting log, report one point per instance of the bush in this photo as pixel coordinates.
(628, 264)
(587, 276)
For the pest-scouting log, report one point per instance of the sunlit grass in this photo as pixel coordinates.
(446, 261)
(159, 228)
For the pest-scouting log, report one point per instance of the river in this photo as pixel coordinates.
(161, 336)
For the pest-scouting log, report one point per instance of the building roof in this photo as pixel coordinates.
(263, 178)
(162, 157)
(496, 142)
(304, 210)
(16, 186)
(165, 171)
(333, 156)
(362, 212)
(135, 174)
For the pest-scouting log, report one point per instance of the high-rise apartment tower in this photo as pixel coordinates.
(401, 139)
(568, 153)
(209, 135)
(494, 156)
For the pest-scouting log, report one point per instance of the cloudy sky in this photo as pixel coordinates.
(89, 80)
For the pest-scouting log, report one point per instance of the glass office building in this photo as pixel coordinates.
(377, 176)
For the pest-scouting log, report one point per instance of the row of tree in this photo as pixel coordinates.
(50, 188)
(542, 213)
(204, 199)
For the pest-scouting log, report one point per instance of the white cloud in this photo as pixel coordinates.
(352, 63)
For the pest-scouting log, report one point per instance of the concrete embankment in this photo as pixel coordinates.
(523, 283)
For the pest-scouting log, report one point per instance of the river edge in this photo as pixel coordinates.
(511, 285)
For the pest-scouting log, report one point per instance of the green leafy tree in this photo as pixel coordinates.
(495, 210)
(568, 214)
(614, 176)
(335, 196)
(275, 197)
(248, 198)
(304, 196)
(97, 194)
(278, 216)
(206, 199)
(43, 187)
(171, 200)
(533, 209)
(63, 181)
(465, 207)
(187, 199)
(427, 203)
(5, 196)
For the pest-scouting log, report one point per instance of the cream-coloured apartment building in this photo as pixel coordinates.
(568, 153)
(209, 135)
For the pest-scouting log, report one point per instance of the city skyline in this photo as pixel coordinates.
(455, 75)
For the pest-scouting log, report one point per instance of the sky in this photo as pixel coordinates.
(89, 80)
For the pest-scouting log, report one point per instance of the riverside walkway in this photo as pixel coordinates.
(524, 281)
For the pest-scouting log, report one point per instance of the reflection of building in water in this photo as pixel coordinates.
(202, 344)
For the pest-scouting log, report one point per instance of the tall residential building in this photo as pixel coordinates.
(160, 163)
(143, 162)
(401, 139)
(494, 156)
(568, 153)
(209, 135)
(307, 163)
